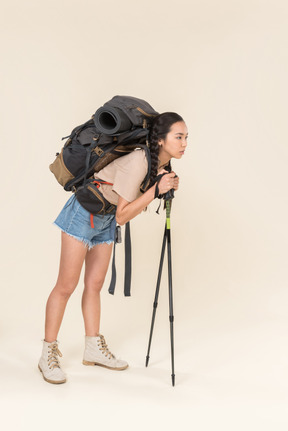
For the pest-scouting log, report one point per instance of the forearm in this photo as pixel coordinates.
(128, 210)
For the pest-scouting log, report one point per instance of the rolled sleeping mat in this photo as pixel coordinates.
(111, 120)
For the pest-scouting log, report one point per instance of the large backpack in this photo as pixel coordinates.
(117, 128)
(120, 126)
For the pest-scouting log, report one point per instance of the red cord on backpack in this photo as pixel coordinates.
(98, 182)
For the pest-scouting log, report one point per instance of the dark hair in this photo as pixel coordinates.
(159, 129)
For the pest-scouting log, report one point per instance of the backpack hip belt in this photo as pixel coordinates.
(90, 197)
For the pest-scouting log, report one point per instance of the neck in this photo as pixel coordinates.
(163, 157)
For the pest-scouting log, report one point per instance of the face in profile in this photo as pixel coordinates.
(175, 143)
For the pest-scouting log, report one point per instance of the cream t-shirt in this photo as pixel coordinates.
(126, 174)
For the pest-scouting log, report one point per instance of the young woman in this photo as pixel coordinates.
(93, 245)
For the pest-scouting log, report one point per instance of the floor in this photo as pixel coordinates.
(228, 380)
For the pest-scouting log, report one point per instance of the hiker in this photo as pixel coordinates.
(91, 239)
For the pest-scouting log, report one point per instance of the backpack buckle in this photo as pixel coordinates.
(98, 151)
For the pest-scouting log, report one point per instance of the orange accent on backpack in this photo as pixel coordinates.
(91, 221)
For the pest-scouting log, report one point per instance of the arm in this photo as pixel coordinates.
(128, 210)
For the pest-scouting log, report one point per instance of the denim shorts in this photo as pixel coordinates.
(76, 222)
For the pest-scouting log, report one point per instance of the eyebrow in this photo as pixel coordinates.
(181, 133)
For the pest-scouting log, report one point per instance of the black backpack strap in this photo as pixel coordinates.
(166, 196)
(111, 289)
(128, 261)
(88, 156)
(78, 129)
(157, 181)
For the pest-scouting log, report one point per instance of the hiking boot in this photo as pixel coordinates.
(49, 363)
(97, 353)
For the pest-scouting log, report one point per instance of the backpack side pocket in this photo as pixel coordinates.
(58, 168)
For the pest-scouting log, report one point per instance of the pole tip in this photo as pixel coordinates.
(147, 360)
(173, 379)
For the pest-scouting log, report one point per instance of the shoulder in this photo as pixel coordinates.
(136, 155)
(135, 158)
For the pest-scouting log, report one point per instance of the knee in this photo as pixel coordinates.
(65, 289)
(94, 285)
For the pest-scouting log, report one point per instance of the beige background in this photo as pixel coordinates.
(223, 66)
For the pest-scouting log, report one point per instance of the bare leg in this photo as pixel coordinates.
(73, 253)
(96, 265)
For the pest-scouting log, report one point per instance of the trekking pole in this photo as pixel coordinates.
(155, 303)
(171, 315)
(166, 239)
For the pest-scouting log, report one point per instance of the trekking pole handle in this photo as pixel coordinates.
(170, 194)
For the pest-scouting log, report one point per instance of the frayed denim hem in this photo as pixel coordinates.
(86, 242)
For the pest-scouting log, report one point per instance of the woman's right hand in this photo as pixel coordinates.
(168, 181)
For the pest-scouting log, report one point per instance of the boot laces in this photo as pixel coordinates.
(104, 348)
(53, 361)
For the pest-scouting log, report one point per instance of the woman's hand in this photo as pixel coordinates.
(128, 210)
(168, 182)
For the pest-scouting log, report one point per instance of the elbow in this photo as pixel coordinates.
(120, 219)
(123, 215)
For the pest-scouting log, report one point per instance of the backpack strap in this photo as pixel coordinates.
(83, 174)
(166, 196)
(157, 181)
(78, 129)
(111, 289)
(128, 261)
(88, 155)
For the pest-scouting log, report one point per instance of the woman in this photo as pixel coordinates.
(82, 242)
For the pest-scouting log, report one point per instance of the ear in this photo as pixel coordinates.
(160, 142)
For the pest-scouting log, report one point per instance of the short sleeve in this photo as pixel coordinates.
(130, 171)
